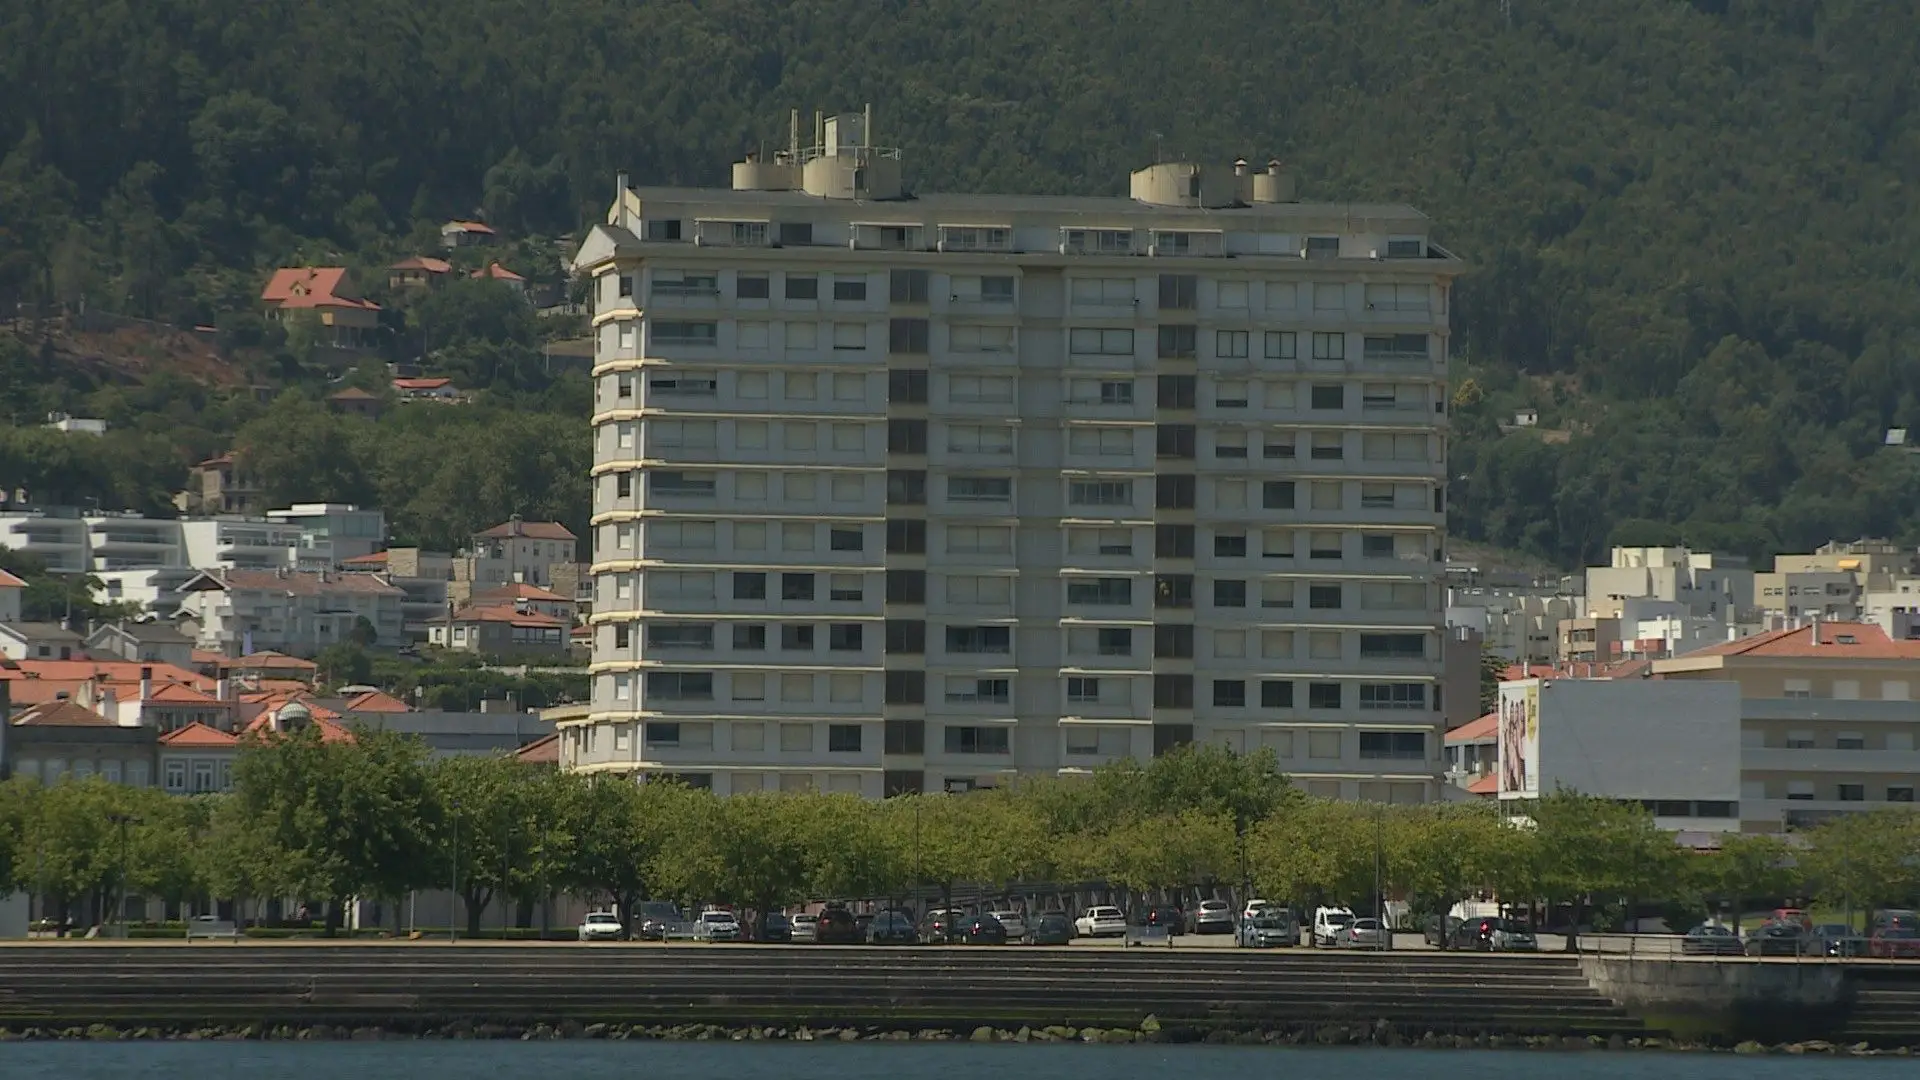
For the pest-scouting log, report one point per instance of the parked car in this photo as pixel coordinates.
(1503, 935)
(800, 929)
(1101, 921)
(1712, 939)
(1793, 915)
(1837, 939)
(1437, 928)
(1053, 928)
(660, 920)
(1778, 939)
(1891, 942)
(1363, 934)
(892, 928)
(836, 926)
(982, 930)
(1269, 928)
(1172, 918)
(1013, 922)
(1897, 918)
(861, 922)
(1254, 907)
(601, 926)
(1328, 923)
(775, 928)
(717, 924)
(1213, 917)
(941, 926)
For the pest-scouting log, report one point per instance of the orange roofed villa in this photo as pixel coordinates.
(347, 319)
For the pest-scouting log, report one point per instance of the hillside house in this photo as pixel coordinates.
(347, 319)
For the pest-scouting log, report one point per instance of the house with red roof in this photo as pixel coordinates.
(524, 597)
(496, 272)
(501, 630)
(12, 589)
(515, 552)
(418, 272)
(353, 401)
(347, 319)
(296, 612)
(1470, 752)
(428, 388)
(459, 234)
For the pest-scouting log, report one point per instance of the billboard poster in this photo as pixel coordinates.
(1519, 745)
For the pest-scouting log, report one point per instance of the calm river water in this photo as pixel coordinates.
(583, 1060)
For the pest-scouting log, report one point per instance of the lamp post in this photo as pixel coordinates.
(1379, 874)
(453, 918)
(122, 820)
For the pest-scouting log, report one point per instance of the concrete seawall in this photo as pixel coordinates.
(1299, 994)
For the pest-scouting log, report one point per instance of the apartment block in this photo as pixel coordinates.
(1827, 719)
(897, 494)
(1708, 585)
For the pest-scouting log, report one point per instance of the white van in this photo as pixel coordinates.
(1328, 922)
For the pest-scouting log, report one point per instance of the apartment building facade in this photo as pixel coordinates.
(1828, 719)
(911, 494)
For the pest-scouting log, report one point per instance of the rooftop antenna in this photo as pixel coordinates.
(793, 134)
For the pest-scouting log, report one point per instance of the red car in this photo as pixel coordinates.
(1793, 915)
(1893, 943)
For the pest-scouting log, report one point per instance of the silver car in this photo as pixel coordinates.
(1362, 934)
(1014, 921)
(804, 926)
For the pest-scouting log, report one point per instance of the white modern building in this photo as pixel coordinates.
(331, 533)
(897, 494)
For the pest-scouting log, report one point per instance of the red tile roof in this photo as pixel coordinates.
(290, 582)
(532, 530)
(1486, 785)
(506, 614)
(424, 262)
(378, 558)
(313, 287)
(376, 701)
(267, 658)
(178, 694)
(421, 384)
(1475, 731)
(498, 273)
(10, 581)
(208, 656)
(519, 590)
(109, 670)
(199, 735)
(352, 393)
(544, 750)
(1839, 640)
(469, 227)
(61, 714)
(325, 719)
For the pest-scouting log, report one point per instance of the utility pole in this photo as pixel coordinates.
(1379, 875)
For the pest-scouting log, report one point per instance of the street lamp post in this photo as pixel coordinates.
(1379, 874)
(453, 917)
(122, 820)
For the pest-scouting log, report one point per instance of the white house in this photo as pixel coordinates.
(296, 612)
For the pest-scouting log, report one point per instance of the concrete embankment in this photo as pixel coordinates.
(745, 991)
(419, 987)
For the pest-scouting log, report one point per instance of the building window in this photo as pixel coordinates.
(976, 740)
(1329, 346)
(1902, 793)
(1105, 591)
(1281, 345)
(1276, 694)
(1277, 495)
(1393, 745)
(906, 688)
(1173, 641)
(750, 637)
(1393, 696)
(1328, 396)
(680, 685)
(1229, 693)
(1323, 695)
(907, 337)
(797, 637)
(1173, 591)
(1082, 691)
(1324, 597)
(1178, 342)
(1179, 292)
(906, 586)
(1230, 545)
(1230, 344)
(174, 776)
(906, 487)
(843, 738)
(844, 637)
(751, 287)
(907, 286)
(1113, 641)
(1229, 594)
(980, 639)
(796, 586)
(1100, 493)
(1173, 691)
(1393, 646)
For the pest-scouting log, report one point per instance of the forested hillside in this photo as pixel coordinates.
(1692, 223)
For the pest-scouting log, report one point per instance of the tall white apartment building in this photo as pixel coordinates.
(900, 494)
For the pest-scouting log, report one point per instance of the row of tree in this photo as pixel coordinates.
(374, 818)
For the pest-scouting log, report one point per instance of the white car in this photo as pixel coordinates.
(804, 926)
(717, 925)
(601, 926)
(1101, 922)
(1213, 917)
(1014, 921)
(1254, 907)
(1329, 925)
(1363, 934)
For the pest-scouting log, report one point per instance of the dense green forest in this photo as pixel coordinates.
(1691, 222)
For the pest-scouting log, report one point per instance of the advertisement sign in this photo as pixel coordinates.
(1519, 745)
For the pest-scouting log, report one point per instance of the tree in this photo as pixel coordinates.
(483, 810)
(1443, 853)
(352, 816)
(623, 833)
(1747, 866)
(1864, 861)
(1493, 669)
(344, 664)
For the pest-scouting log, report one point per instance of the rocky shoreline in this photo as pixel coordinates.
(1150, 1031)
